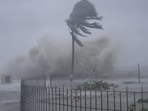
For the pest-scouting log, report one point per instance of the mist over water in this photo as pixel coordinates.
(50, 56)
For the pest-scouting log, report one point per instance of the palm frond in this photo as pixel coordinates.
(76, 39)
(74, 28)
(84, 29)
(92, 25)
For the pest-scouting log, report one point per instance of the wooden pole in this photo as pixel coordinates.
(139, 73)
(50, 80)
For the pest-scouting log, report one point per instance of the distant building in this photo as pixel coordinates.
(4, 78)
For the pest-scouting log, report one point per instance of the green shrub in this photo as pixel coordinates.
(94, 85)
(142, 101)
(145, 109)
(131, 107)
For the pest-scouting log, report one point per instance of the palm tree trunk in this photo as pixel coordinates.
(72, 61)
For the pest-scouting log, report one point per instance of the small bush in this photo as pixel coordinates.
(145, 109)
(142, 101)
(131, 107)
(94, 85)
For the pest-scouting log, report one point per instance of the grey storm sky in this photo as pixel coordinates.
(24, 22)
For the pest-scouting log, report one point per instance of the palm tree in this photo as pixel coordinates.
(83, 11)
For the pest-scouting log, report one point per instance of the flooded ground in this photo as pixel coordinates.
(10, 97)
(10, 93)
(9, 101)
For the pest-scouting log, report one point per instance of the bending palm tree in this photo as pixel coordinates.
(78, 21)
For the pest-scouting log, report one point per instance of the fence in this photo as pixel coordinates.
(37, 96)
